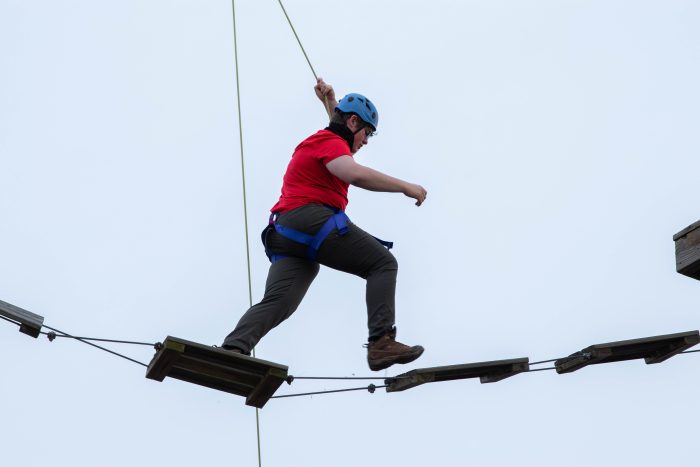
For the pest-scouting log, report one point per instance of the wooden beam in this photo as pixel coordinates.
(487, 372)
(688, 251)
(654, 349)
(216, 368)
(29, 323)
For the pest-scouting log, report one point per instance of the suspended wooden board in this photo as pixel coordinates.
(253, 378)
(29, 323)
(688, 251)
(652, 349)
(487, 372)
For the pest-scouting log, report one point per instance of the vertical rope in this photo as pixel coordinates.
(245, 200)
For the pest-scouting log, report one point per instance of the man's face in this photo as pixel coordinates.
(362, 136)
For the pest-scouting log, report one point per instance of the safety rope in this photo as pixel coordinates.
(298, 40)
(245, 200)
(325, 99)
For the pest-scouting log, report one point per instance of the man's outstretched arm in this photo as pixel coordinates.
(349, 171)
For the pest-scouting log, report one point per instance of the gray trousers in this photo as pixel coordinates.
(356, 252)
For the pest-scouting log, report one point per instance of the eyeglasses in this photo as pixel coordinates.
(369, 133)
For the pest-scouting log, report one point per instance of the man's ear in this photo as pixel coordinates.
(353, 122)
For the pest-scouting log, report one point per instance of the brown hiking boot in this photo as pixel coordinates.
(386, 351)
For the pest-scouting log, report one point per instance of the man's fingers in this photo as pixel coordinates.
(419, 200)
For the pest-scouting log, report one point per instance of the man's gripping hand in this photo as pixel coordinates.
(326, 94)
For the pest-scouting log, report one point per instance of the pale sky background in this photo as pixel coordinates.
(558, 141)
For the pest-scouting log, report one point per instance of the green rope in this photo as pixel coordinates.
(245, 201)
(325, 99)
(299, 41)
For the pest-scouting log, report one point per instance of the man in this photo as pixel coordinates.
(308, 227)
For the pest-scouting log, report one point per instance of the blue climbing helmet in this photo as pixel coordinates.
(360, 105)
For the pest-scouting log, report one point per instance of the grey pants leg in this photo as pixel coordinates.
(356, 252)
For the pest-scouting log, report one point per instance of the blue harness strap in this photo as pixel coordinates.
(338, 221)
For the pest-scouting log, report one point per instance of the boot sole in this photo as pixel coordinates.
(382, 363)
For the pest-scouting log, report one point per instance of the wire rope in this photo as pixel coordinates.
(52, 335)
(65, 334)
(294, 378)
(531, 370)
(545, 361)
(10, 321)
(371, 388)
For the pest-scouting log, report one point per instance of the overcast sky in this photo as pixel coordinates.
(558, 141)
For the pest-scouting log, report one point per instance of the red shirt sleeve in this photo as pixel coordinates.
(334, 149)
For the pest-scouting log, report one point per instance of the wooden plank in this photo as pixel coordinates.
(29, 323)
(655, 349)
(685, 231)
(487, 372)
(266, 388)
(219, 371)
(253, 378)
(688, 251)
(225, 385)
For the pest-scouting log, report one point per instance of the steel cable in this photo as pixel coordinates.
(96, 346)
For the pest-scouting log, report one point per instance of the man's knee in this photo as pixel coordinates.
(387, 262)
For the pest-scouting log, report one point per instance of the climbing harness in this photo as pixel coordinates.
(337, 221)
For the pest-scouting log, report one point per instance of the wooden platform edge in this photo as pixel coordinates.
(687, 342)
(164, 359)
(516, 368)
(29, 323)
(595, 354)
(193, 362)
(487, 372)
(266, 388)
(686, 230)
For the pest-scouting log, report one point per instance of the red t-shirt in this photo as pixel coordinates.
(307, 180)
